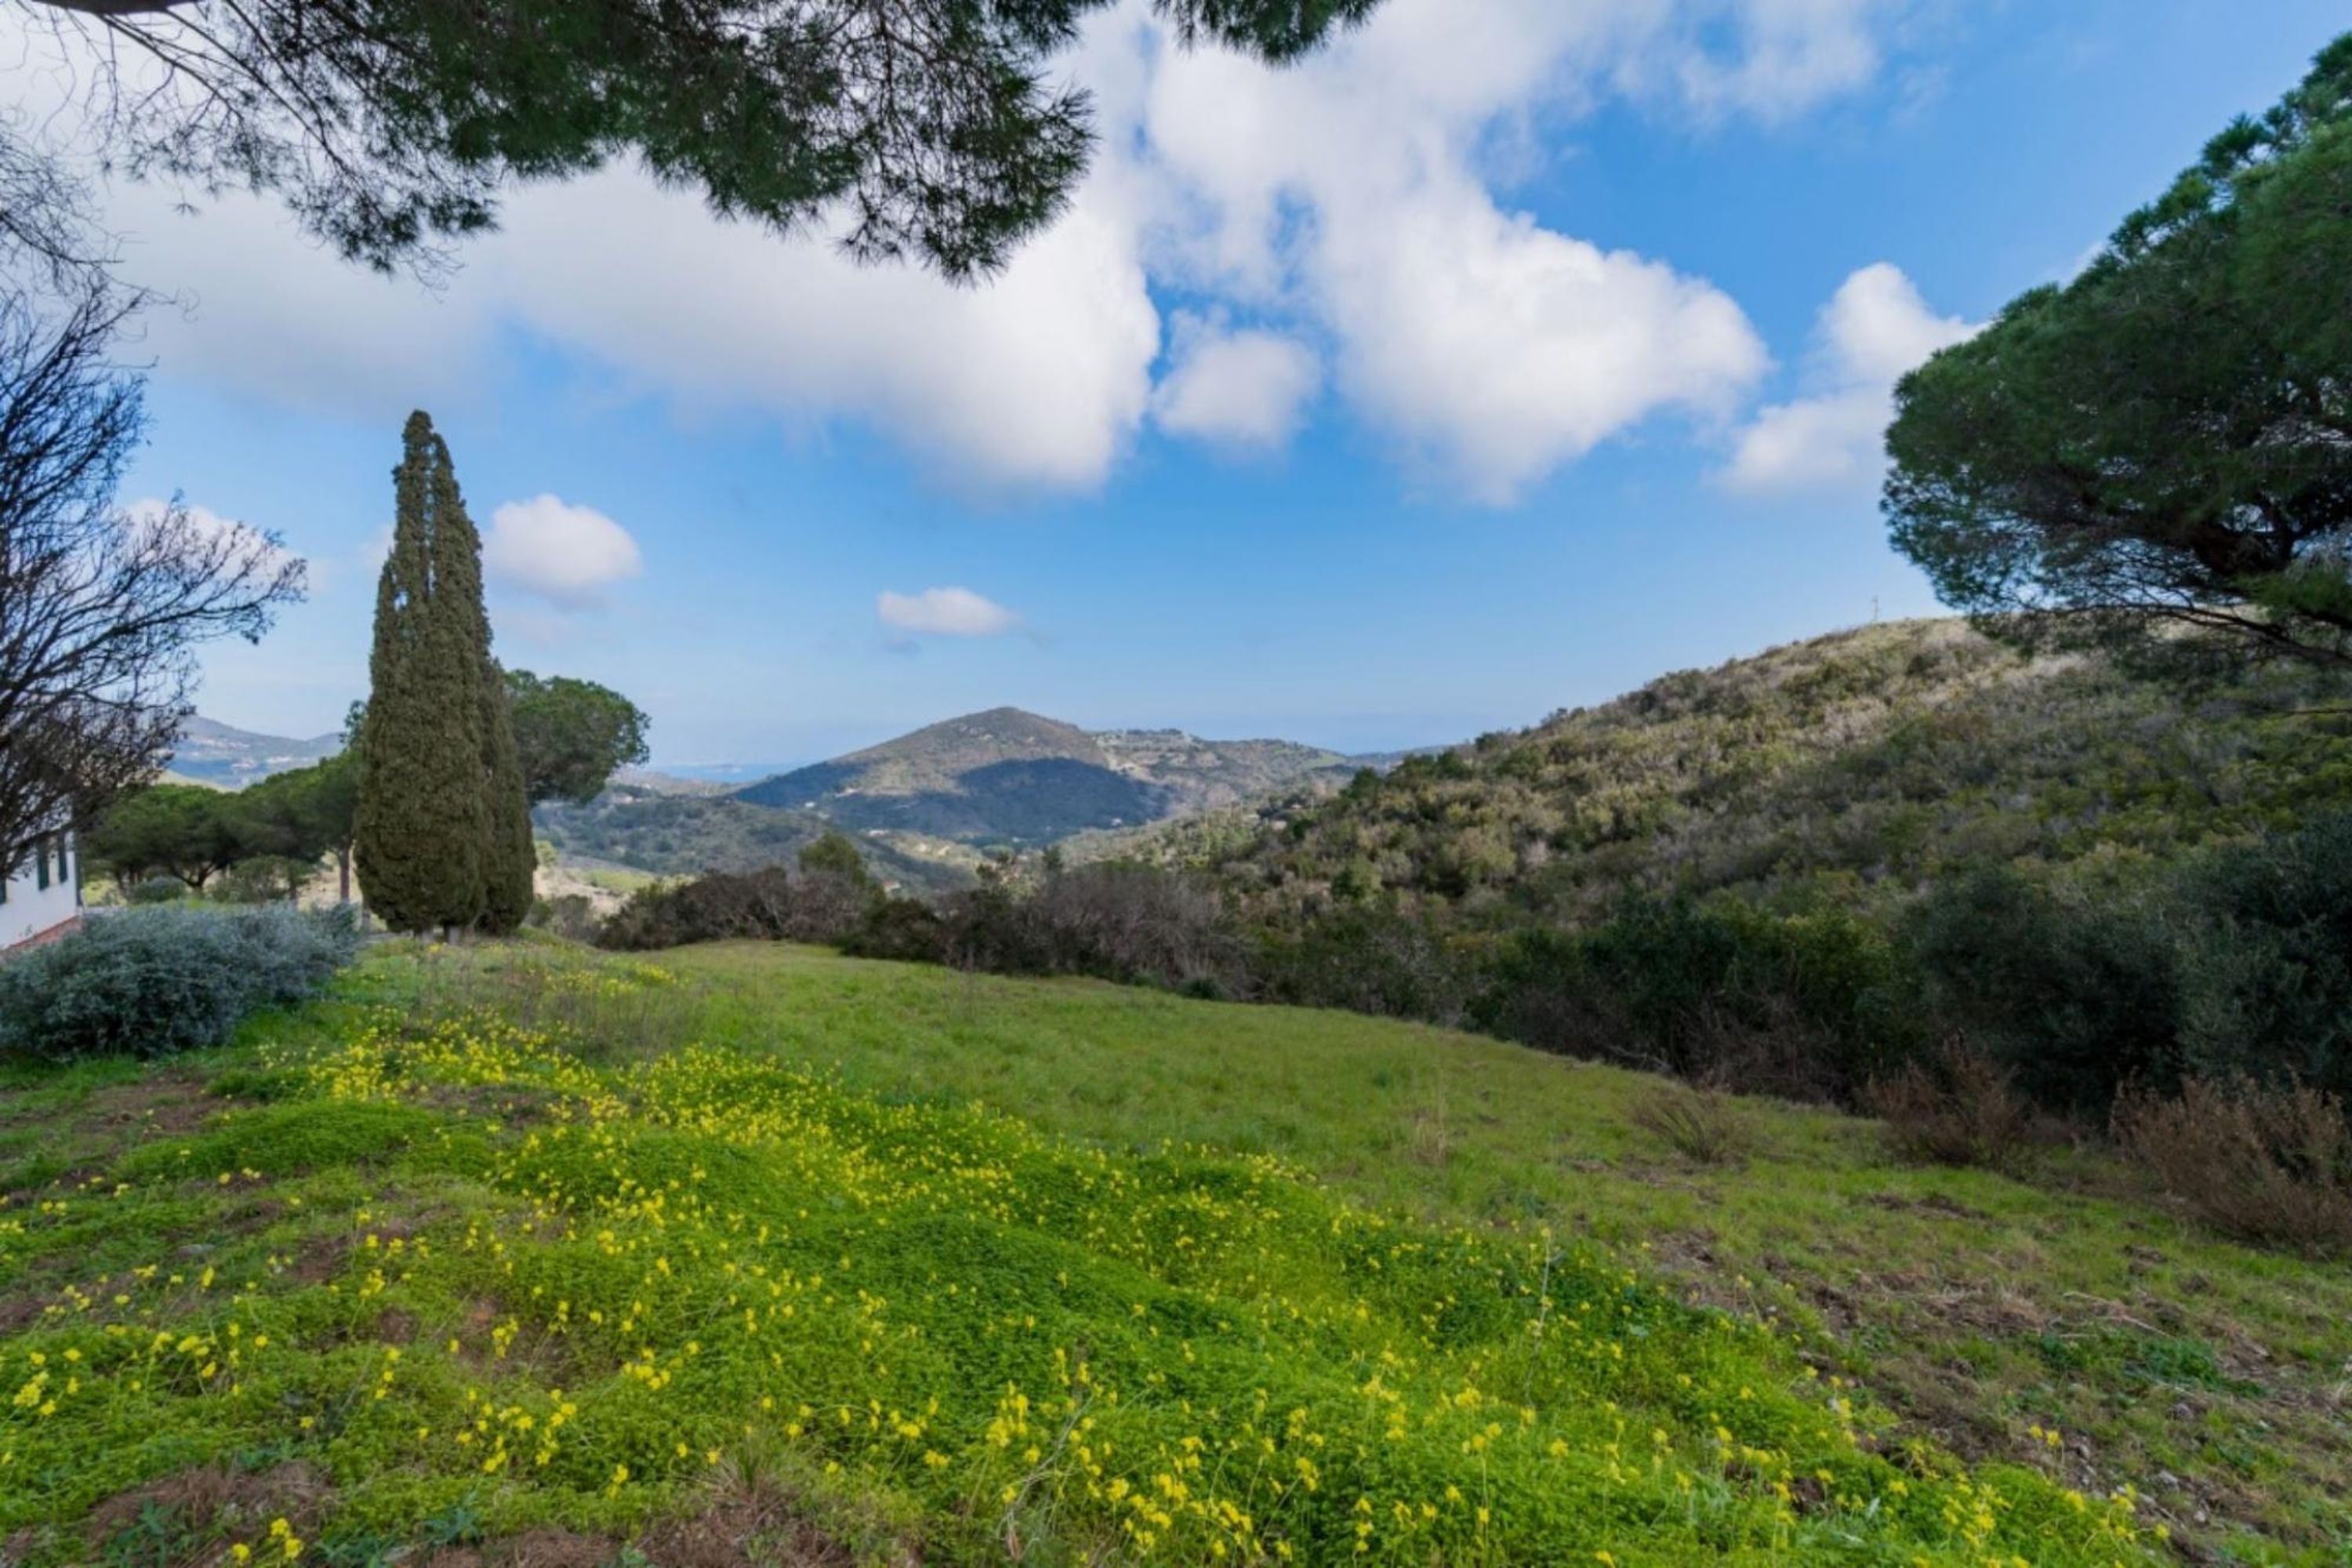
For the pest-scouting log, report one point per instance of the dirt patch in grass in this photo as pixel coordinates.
(547, 1548)
(169, 1101)
(23, 1310)
(210, 1500)
(742, 1532)
(508, 1105)
(1934, 1203)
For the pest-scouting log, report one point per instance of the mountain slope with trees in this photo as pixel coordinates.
(1852, 768)
(1005, 776)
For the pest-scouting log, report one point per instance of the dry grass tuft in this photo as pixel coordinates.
(1960, 1108)
(1705, 1126)
(2271, 1165)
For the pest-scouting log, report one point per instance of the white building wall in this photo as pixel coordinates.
(29, 909)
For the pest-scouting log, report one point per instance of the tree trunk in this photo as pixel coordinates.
(343, 869)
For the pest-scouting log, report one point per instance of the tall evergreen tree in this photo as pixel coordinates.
(512, 864)
(423, 828)
(509, 862)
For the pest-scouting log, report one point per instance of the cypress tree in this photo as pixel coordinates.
(423, 826)
(510, 862)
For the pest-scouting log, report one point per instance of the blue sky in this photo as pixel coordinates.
(1515, 353)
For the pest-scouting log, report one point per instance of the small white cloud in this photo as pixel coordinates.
(568, 555)
(1875, 329)
(944, 613)
(1242, 389)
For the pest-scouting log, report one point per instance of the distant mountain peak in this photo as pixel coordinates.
(215, 754)
(1005, 774)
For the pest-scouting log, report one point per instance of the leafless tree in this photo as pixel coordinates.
(100, 611)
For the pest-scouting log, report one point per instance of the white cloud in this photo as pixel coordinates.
(1791, 54)
(1350, 202)
(567, 555)
(1240, 389)
(1873, 331)
(1493, 349)
(1035, 377)
(944, 613)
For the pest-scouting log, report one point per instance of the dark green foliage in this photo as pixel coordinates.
(511, 867)
(834, 854)
(2162, 439)
(572, 735)
(2266, 959)
(443, 825)
(2238, 962)
(907, 929)
(1368, 960)
(1114, 920)
(423, 822)
(298, 816)
(935, 130)
(157, 980)
(183, 831)
(2074, 997)
(712, 907)
(1806, 1005)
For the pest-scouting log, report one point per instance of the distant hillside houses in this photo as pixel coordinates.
(41, 898)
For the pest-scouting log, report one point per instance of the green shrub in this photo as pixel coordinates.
(1114, 920)
(164, 978)
(2266, 964)
(1367, 960)
(155, 890)
(1804, 1005)
(711, 907)
(907, 929)
(2076, 999)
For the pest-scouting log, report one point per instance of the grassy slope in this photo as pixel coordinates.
(1981, 1305)
(2210, 1377)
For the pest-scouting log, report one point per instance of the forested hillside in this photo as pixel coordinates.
(674, 835)
(1854, 768)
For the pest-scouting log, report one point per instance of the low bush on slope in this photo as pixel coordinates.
(455, 1282)
(157, 979)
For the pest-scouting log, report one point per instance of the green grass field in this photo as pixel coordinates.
(518, 1255)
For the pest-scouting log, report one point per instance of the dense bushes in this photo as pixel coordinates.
(2237, 963)
(164, 978)
(1805, 1004)
(2076, 996)
(771, 905)
(1367, 959)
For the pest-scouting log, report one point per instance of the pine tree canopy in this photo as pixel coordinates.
(573, 734)
(928, 129)
(2167, 439)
